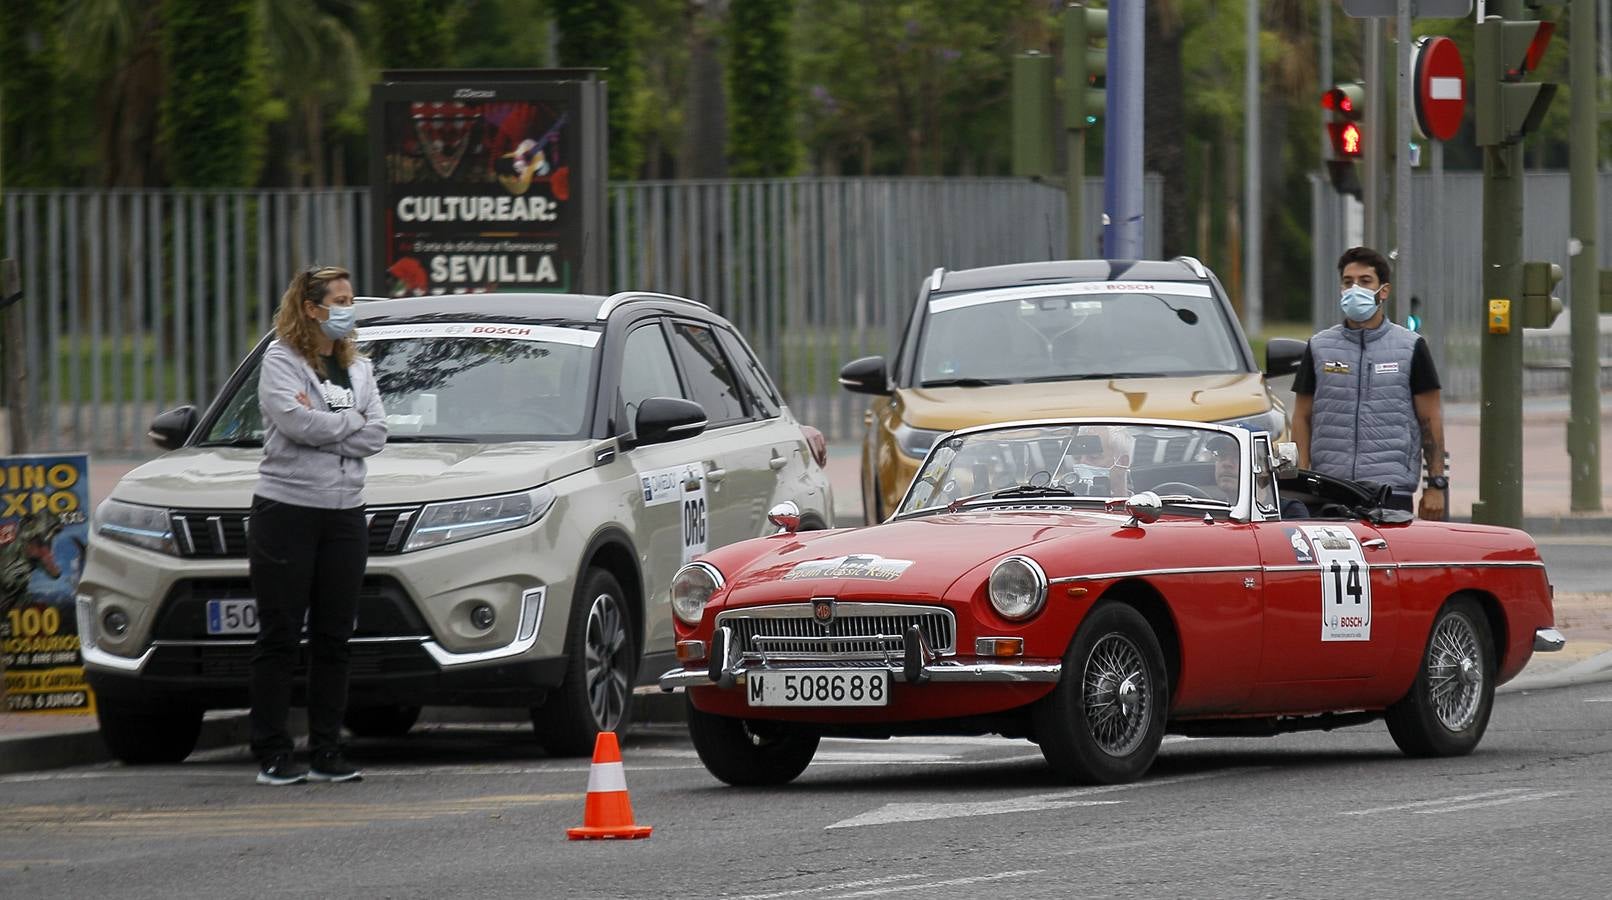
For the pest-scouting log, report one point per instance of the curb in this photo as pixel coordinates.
(1594, 670)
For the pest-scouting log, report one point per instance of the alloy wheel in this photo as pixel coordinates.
(606, 661)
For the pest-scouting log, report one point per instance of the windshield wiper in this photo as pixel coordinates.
(242, 441)
(430, 439)
(1189, 499)
(1018, 490)
(1092, 376)
(965, 382)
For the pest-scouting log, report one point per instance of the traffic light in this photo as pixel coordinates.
(1508, 106)
(1539, 306)
(1085, 66)
(1413, 321)
(1345, 105)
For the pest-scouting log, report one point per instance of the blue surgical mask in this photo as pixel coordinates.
(341, 322)
(1358, 303)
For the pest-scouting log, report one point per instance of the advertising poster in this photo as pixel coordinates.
(486, 184)
(44, 527)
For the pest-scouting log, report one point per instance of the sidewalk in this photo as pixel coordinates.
(40, 741)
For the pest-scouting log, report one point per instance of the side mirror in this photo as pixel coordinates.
(662, 419)
(786, 516)
(1282, 356)
(170, 429)
(1287, 457)
(1144, 509)
(867, 375)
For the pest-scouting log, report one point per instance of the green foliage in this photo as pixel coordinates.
(601, 34)
(414, 34)
(502, 34)
(32, 98)
(211, 124)
(761, 90)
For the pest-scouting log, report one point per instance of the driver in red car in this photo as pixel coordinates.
(1228, 467)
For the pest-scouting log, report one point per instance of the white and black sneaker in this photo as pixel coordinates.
(282, 770)
(331, 766)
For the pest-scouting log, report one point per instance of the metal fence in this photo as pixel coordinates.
(1449, 273)
(137, 301)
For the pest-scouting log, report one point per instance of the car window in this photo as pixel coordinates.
(1083, 330)
(763, 396)
(711, 380)
(647, 369)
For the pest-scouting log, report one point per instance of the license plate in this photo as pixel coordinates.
(232, 616)
(819, 687)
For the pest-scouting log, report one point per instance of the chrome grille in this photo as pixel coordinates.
(858, 631)
(221, 533)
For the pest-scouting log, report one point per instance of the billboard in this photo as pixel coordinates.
(488, 180)
(44, 528)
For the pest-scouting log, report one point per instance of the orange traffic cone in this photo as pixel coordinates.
(608, 813)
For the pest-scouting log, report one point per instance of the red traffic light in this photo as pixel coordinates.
(1348, 141)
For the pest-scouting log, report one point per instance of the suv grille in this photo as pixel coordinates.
(384, 609)
(221, 533)
(854, 632)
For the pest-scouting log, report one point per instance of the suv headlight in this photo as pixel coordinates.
(461, 520)
(1018, 587)
(142, 526)
(1271, 420)
(915, 442)
(692, 588)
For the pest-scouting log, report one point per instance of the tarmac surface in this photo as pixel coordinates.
(32, 741)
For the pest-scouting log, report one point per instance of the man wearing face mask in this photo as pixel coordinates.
(307, 540)
(1367, 395)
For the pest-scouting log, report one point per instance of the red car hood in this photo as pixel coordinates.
(916, 559)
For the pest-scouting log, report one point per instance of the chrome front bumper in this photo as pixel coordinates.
(1548, 640)
(917, 665)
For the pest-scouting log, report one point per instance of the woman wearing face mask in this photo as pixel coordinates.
(308, 540)
(1366, 392)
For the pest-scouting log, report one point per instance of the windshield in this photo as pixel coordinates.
(1082, 330)
(1103, 460)
(470, 381)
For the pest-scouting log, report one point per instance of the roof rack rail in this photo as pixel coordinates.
(936, 277)
(1192, 262)
(624, 297)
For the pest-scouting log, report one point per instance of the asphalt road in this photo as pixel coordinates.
(1578, 563)
(479, 811)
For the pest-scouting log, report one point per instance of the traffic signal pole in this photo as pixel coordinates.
(1122, 146)
(1404, 232)
(1584, 422)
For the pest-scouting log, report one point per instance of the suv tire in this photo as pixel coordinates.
(601, 661)
(142, 737)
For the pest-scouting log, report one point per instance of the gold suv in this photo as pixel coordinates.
(1144, 338)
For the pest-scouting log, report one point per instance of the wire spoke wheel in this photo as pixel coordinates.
(1118, 697)
(1454, 673)
(606, 670)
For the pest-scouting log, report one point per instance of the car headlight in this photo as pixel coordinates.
(915, 442)
(142, 526)
(692, 588)
(1018, 587)
(1271, 420)
(461, 520)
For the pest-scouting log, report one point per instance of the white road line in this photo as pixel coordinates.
(822, 888)
(1520, 798)
(1599, 700)
(894, 813)
(950, 882)
(1421, 804)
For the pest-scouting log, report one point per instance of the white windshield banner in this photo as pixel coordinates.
(1069, 289)
(507, 331)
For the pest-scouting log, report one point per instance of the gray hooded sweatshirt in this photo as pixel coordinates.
(315, 457)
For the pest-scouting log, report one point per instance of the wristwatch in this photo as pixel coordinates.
(1441, 482)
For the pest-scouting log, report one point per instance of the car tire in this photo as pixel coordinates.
(144, 737)
(1104, 721)
(1447, 708)
(750, 754)
(381, 721)
(601, 660)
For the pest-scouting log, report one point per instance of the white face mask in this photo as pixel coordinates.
(1358, 304)
(341, 322)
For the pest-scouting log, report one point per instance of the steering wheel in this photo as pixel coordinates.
(1181, 487)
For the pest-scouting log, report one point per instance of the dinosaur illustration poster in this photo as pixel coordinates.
(44, 527)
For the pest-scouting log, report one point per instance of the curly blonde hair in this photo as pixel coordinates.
(296, 330)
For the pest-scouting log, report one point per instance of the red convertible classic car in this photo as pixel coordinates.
(1093, 584)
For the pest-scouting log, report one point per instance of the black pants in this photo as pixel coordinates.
(304, 561)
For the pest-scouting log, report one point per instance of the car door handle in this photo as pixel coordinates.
(1374, 544)
(777, 462)
(715, 474)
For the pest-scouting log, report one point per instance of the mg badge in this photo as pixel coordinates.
(823, 611)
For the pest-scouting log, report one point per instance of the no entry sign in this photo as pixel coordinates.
(1440, 80)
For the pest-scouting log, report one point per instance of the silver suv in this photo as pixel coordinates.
(552, 460)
